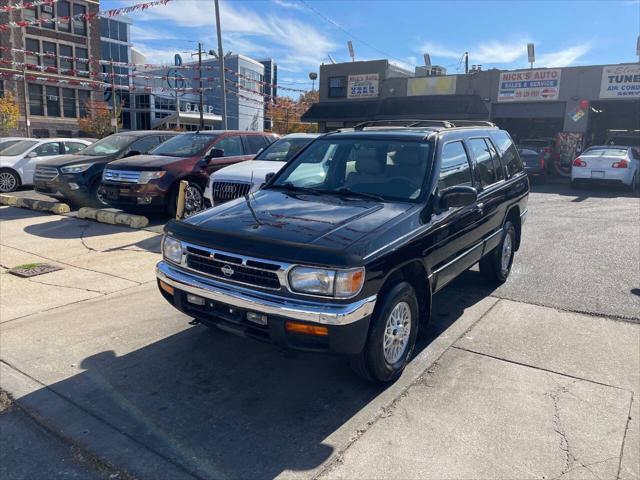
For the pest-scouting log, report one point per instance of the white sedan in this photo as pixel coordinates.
(18, 162)
(241, 178)
(607, 164)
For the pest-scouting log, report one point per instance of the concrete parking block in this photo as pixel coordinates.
(478, 417)
(113, 217)
(34, 204)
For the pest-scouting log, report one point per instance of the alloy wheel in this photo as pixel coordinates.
(192, 200)
(8, 182)
(507, 250)
(396, 333)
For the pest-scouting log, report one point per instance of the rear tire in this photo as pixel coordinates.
(392, 336)
(9, 180)
(496, 265)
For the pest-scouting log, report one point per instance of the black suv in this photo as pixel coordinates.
(77, 177)
(343, 249)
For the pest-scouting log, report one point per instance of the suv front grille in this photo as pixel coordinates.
(121, 176)
(233, 268)
(45, 174)
(225, 191)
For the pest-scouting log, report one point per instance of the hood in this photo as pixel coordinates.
(246, 171)
(63, 160)
(144, 162)
(299, 219)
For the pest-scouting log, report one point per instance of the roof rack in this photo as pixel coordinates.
(413, 123)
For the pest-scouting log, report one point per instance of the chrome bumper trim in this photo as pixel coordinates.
(269, 304)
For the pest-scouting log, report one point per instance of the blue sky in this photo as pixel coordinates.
(301, 34)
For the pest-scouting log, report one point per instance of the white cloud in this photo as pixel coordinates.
(563, 58)
(145, 33)
(287, 4)
(491, 52)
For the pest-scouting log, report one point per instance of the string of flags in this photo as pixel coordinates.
(83, 16)
(20, 6)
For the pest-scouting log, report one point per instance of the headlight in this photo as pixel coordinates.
(145, 177)
(172, 249)
(76, 168)
(321, 281)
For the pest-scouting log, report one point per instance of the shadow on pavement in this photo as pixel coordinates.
(222, 406)
(559, 186)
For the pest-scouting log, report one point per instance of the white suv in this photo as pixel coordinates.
(18, 162)
(241, 178)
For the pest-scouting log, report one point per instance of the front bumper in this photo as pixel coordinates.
(227, 305)
(133, 195)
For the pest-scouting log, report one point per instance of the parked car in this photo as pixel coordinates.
(534, 163)
(237, 180)
(347, 259)
(18, 162)
(607, 164)
(149, 183)
(77, 177)
(545, 146)
(6, 142)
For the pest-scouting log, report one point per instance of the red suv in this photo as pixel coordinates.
(149, 183)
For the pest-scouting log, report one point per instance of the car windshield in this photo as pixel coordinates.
(376, 169)
(109, 145)
(606, 152)
(19, 148)
(188, 145)
(6, 144)
(283, 149)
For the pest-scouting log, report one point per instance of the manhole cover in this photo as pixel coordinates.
(33, 269)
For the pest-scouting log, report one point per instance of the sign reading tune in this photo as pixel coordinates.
(620, 81)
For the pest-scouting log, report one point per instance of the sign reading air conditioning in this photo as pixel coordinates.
(529, 85)
(620, 81)
(362, 86)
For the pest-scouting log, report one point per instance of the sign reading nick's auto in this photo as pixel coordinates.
(620, 81)
(529, 85)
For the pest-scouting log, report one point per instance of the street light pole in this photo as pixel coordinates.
(200, 80)
(223, 85)
(113, 100)
(27, 120)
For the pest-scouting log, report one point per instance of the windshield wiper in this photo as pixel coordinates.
(348, 192)
(290, 187)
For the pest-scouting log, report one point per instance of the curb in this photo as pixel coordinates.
(113, 218)
(31, 204)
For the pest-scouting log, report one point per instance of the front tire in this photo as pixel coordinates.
(392, 336)
(9, 180)
(193, 202)
(496, 265)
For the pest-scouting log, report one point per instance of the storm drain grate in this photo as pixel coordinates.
(33, 269)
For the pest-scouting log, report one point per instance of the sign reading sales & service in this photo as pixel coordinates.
(362, 86)
(529, 85)
(620, 81)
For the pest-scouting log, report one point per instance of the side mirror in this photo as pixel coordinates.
(458, 196)
(132, 153)
(215, 153)
(269, 176)
(32, 154)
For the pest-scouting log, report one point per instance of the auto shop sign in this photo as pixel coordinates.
(529, 85)
(362, 86)
(620, 81)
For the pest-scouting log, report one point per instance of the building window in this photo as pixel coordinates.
(83, 97)
(30, 13)
(31, 59)
(143, 120)
(337, 87)
(64, 10)
(142, 101)
(36, 105)
(79, 25)
(104, 27)
(69, 109)
(122, 31)
(53, 101)
(1, 88)
(82, 67)
(250, 79)
(49, 60)
(165, 104)
(41, 133)
(46, 13)
(66, 65)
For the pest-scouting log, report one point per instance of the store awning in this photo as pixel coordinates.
(188, 118)
(340, 111)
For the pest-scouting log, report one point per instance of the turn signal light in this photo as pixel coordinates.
(578, 162)
(166, 287)
(305, 329)
(621, 164)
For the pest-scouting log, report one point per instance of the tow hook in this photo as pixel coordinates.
(195, 321)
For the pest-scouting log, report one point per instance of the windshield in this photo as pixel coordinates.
(109, 145)
(606, 152)
(188, 145)
(381, 169)
(6, 144)
(283, 149)
(19, 148)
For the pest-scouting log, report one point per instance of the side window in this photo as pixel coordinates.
(73, 147)
(48, 149)
(232, 146)
(255, 143)
(484, 161)
(497, 163)
(510, 158)
(145, 144)
(454, 166)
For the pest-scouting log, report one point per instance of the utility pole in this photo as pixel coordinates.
(286, 128)
(177, 108)
(113, 99)
(223, 85)
(200, 80)
(466, 62)
(27, 119)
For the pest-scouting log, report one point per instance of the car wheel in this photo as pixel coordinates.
(392, 336)
(9, 180)
(96, 198)
(496, 265)
(193, 200)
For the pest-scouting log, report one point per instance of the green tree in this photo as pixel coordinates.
(98, 118)
(9, 113)
(285, 114)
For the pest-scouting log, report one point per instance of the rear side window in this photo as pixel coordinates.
(255, 143)
(486, 168)
(507, 149)
(73, 147)
(454, 166)
(232, 146)
(145, 144)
